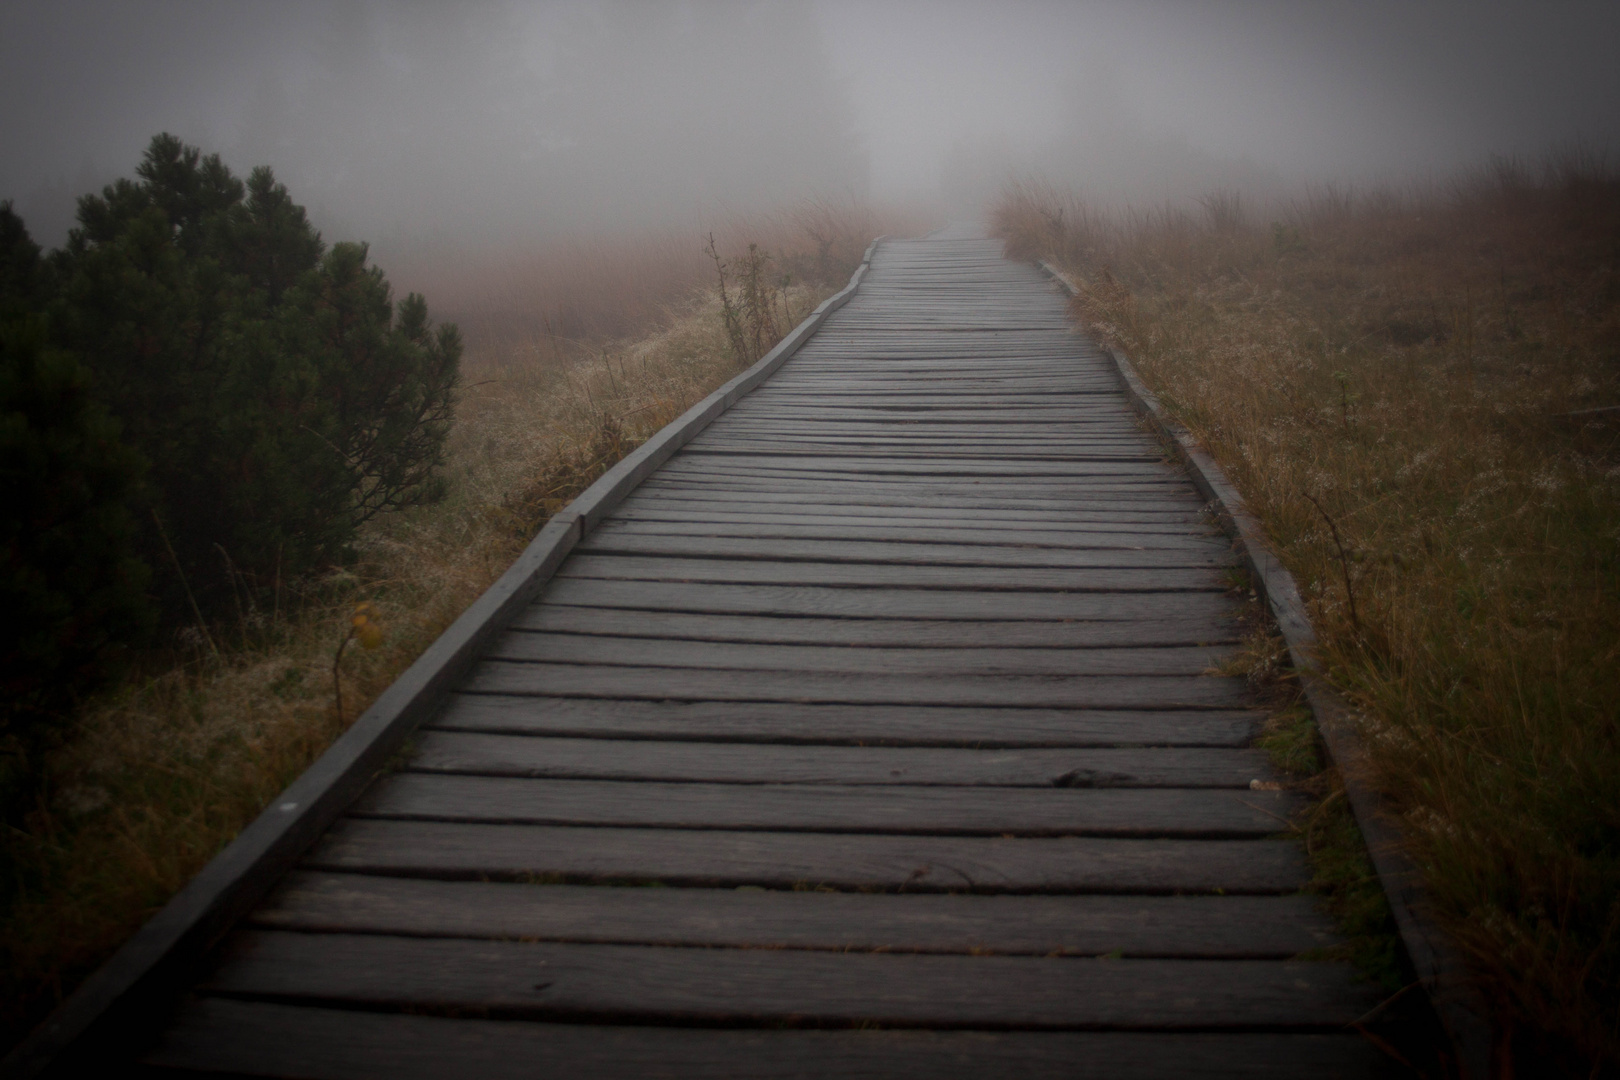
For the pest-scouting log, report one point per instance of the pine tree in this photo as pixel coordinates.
(279, 394)
(71, 585)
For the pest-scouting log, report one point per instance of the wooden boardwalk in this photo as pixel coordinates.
(873, 735)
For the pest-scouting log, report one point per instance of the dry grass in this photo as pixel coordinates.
(597, 288)
(1414, 372)
(160, 775)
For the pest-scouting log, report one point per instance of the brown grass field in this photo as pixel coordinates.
(576, 355)
(1418, 392)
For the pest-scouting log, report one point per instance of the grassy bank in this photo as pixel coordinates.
(157, 776)
(1417, 392)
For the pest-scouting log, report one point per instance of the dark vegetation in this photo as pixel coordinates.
(200, 403)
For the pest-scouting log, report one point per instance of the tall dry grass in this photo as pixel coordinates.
(603, 287)
(1419, 394)
(156, 777)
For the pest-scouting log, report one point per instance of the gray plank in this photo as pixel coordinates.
(894, 575)
(675, 506)
(942, 811)
(891, 633)
(556, 980)
(741, 449)
(1098, 551)
(931, 468)
(219, 1035)
(1125, 432)
(748, 763)
(1056, 494)
(791, 441)
(945, 413)
(744, 449)
(955, 503)
(598, 650)
(792, 860)
(846, 384)
(878, 725)
(860, 688)
(1076, 483)
(1160, 540)
(1207, 927)
(877, 603)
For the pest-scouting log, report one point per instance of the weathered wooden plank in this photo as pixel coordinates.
(1011, 454)
(876, 725)
(1058, 494)
(943, 811)
(889, 633)
(671, 506)
(954, 463)
(894, 575)
(642, 652)
(1206, 927)
(989, 426)
(797, 439)
(849, 386)
(960, 505)
(858, 688)
(750, 763)
(219, 1035)
(1150, 538)
(1105, 550)
(1099, 476)
(1088, 491)
(790, 860)
(818, 440)
(743, 449)
(1049, 395)
(556, 980)
(877, 603)
(926, 443)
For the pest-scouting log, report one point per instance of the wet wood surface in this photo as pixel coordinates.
(880, 732)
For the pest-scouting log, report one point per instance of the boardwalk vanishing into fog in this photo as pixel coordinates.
(874, 734)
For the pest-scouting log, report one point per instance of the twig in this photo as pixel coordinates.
(1344, 563)
(230, 575)
(1384, 1045)
(337, 658)
(1386, 1003)
(202, 626)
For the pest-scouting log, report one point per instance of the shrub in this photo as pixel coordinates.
(279, 395)
(70, 584)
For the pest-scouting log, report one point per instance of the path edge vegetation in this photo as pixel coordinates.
(1280, 613)
(1415, 392)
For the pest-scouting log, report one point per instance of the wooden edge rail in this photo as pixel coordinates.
(132, 991)
(1435, 959)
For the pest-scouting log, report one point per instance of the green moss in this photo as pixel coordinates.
(1347, 885)
(1290, 740)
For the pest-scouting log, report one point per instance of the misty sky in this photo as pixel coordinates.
(499, 122)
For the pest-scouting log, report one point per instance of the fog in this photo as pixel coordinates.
(420, 124)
